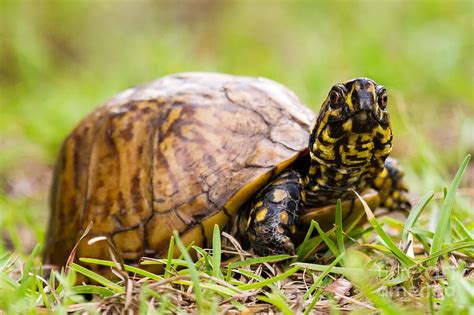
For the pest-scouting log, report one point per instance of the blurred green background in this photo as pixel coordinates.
(61, 59)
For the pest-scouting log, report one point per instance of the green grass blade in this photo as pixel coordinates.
(399, 279)
(175, 262)
(44, 297)
(92, 289)
(315, 299)
(413, 216)
(222, 290)
(169, 258)
(258, 260)
(448, 249)
(216, 253)
(310, 232)
(205, 259)
(421, 232)
(462, 229)
(404, 259)
(277, 301)
(342, 270)
(250, 274)
(268, 281)
(443, 221)
(320, 278)
(332, 247)
(304, 249)
(339, 233)
(29, 263)
(98, 278)
(192, 270)
(128, 268)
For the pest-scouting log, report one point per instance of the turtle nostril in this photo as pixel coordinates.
(365, 104)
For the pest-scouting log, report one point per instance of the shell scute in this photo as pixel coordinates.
(170, 155)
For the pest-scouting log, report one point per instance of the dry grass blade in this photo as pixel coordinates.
(72, 255)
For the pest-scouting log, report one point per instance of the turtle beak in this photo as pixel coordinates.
(363, 95)
(366, 100)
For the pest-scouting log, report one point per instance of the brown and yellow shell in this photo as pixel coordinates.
(180, 153)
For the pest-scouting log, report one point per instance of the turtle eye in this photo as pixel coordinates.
(335, 99)
(382, 98)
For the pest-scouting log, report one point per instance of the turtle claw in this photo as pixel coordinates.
(277, 244)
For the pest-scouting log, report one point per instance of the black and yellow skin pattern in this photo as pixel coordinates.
(268, 222)
(348, 150)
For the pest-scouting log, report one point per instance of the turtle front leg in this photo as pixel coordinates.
(273, 215)
(391, 187)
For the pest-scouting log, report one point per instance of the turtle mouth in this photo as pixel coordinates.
(362, 115)
(364, 121)
(361, 121)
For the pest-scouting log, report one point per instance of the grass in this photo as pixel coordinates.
(379, 274)
(61, 60)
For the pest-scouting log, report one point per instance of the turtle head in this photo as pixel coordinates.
(351, 137)
(360, 101)
(353, 109)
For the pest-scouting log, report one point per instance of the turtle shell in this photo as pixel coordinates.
(180, 153)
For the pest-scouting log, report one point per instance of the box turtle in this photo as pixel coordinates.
(193, 150)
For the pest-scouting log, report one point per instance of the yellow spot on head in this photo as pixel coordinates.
(349, 99)
(293, 229)
(347, 125)
(379, 182)
(284, 217)
(396, 194)
(261, 214)
(258, 204)
(279, 195)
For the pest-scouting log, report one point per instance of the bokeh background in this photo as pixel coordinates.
(61, 59)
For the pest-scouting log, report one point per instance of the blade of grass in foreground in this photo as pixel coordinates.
(443, 222)
(216, 253)
(170, 258)
(448, 249)
(263, 283)
(462, 229)
(339, 234)
(192, 270)
(330, 244)
(309, 243)
(277, 301)
(29, 264)
(402, 258)
(128, 268)
(98, 278)
(308, 246)
(320, 278)
(258, 260)
(92, 289)
(342, 270)
(413, 216)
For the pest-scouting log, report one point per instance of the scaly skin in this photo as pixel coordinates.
(348, 150)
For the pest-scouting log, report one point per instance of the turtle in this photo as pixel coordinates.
(192, 150)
